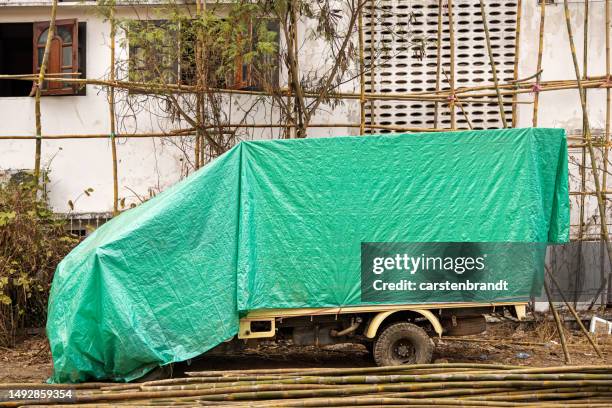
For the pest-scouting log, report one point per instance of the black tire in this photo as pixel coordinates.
(403, 343)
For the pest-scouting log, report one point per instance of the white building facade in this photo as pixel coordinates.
(149, 165)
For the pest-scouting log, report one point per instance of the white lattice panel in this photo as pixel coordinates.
(398, 24)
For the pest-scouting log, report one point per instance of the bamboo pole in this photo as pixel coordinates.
(186, 132)
(458, 103)
(517, 54)
(451, 27)
(604, 180)
(203, 75)
(450, 367)
(299, 92)
(438, 62)
(362, 99)
(584, 153)
(585, 40)
(587, 134)
(412, 385)
(372, 64)
(536, 96)
(510, 88)
(574, 314)
(581, 221)
(39, 85)
(568, 359)
(500, 101)
(199, 101)
(111, 109)
(218, 385)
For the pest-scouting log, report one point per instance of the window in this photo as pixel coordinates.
(252, 76)
(22, 48)
(163, 52)
(153, 48)
(15, 57)
(63, 55)
(82, 225)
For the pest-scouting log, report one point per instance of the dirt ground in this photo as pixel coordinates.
(512, 343)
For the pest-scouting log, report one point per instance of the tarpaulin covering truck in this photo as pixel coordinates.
(270, 240)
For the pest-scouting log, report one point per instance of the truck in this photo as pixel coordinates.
(319, 241)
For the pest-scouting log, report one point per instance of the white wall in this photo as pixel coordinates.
(154, 164)
(561, 109)
(76, 165)
(144, 164)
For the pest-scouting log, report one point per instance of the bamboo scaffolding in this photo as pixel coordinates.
(536, 97)
(111, 109)
(372, 65)
(583, 155)
(517, 55)
(587, 133)
(458, 102)
(604, 179)
(296, 67)
(451, 81)
(500, 101)
(568, 358)
(438, 62)
(574, 314)
(199, 101)
(509, 88)
(190, 132)
(362, 99)
(39, 85)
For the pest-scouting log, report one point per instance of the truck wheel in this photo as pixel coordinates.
(403, 343)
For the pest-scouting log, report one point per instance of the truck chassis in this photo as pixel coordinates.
(394, 334)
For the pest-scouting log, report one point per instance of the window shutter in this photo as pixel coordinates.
(63, 55)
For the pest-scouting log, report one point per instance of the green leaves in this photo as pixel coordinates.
(32, 242)
(6, 217)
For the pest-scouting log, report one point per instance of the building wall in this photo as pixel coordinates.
(561, 109)
(150, 165)
(146, 165)
(76, 165)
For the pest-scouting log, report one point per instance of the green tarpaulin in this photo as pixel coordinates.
(279, 224)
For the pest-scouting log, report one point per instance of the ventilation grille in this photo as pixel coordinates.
(398, 27)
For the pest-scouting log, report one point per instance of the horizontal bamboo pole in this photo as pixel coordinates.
(191, 132)
(435, 96)
(360, 370)
(187, 132)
